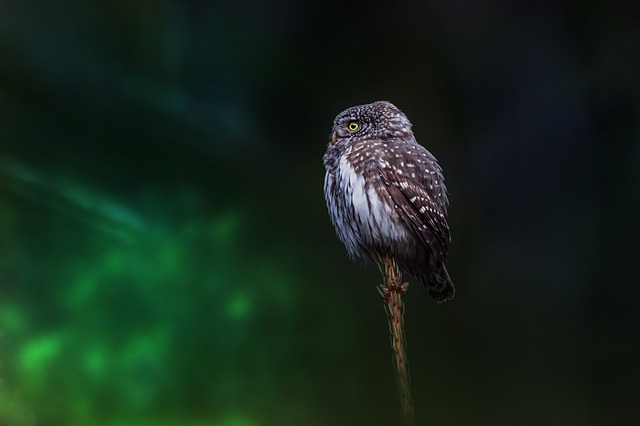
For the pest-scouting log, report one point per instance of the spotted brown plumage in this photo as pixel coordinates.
(386, 194)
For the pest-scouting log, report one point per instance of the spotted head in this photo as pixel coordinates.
(378, 120)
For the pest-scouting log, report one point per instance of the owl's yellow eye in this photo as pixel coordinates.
(353, 126)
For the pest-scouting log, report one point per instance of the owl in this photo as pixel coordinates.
(386, 194)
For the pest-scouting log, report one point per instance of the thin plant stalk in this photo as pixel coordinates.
(392, 291)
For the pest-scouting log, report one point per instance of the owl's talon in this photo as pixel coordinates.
(383, 290)
(404, 287)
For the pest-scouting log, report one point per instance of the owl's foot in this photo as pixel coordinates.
(385, 290)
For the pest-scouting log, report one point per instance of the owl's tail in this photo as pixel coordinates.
(438, 283)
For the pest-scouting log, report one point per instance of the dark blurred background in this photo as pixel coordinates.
(165, 253)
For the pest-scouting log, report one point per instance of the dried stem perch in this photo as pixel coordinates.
(392, 291)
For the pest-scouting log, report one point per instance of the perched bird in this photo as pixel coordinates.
(386, 194)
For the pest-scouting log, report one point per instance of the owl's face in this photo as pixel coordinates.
(378, 120)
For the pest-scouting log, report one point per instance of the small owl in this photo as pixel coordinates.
(386, 194)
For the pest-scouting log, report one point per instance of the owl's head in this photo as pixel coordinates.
(378, 120)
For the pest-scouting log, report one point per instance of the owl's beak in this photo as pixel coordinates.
(334, 138)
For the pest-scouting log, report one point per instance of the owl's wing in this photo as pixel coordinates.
(418, 193)
(420, 213)
(415, 184)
